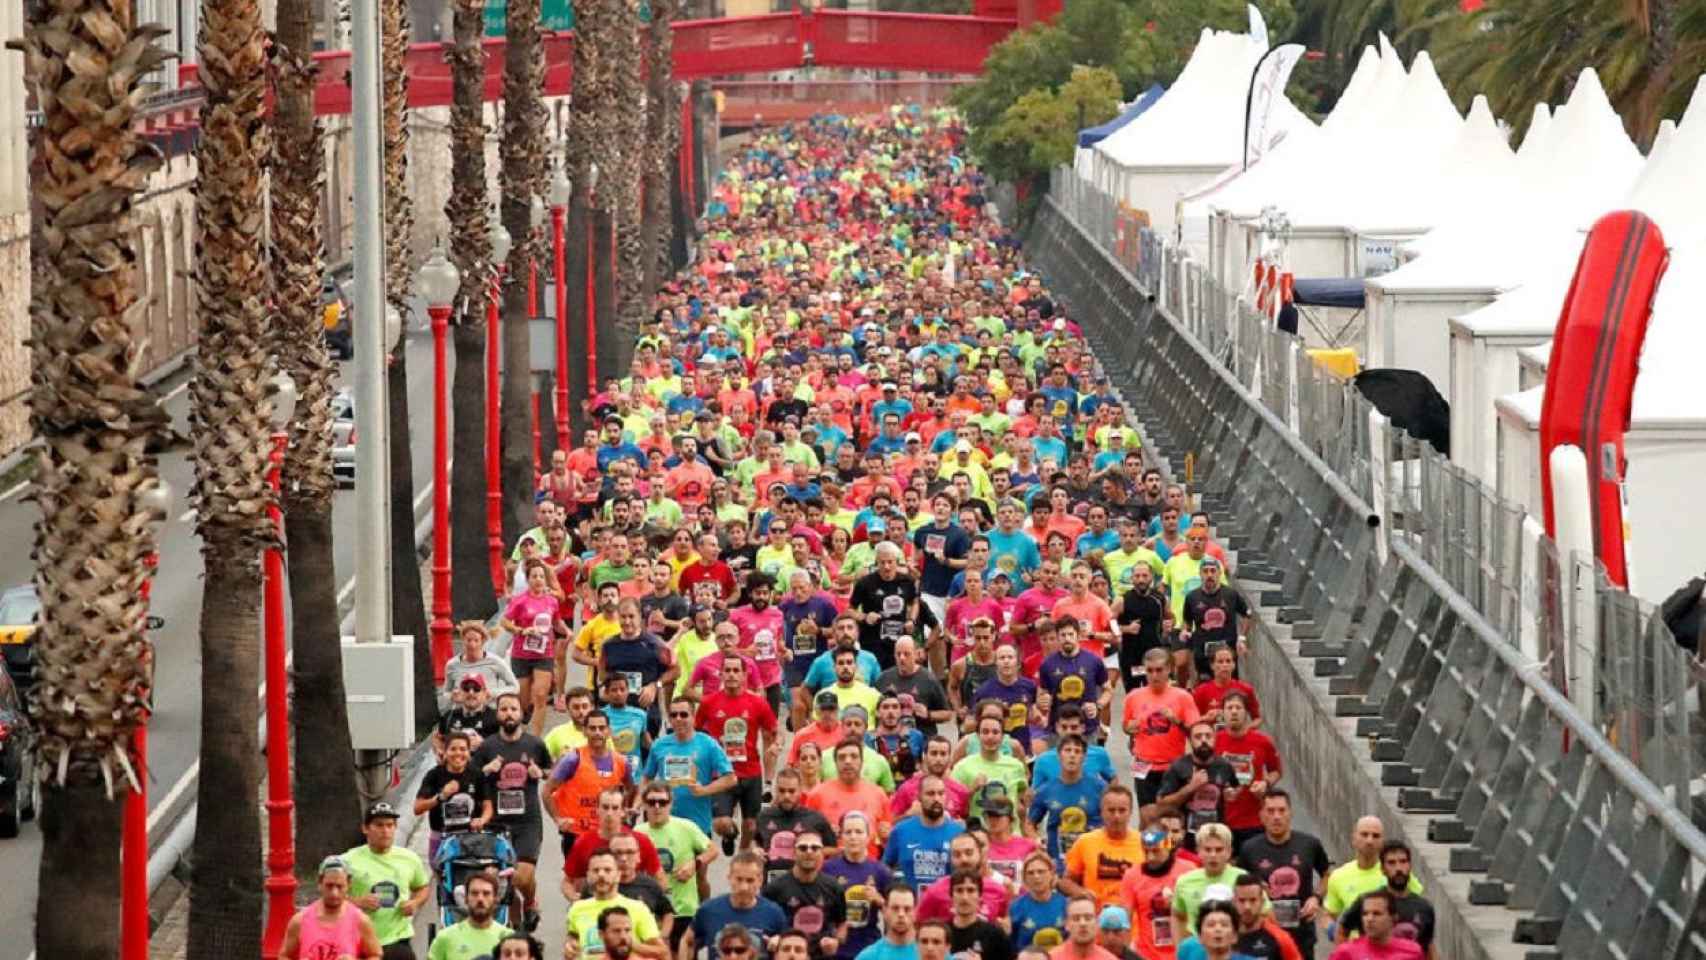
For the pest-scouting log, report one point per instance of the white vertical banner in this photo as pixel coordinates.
(1267, 92)
(1258, 28)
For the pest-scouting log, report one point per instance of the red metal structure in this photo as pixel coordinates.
(281, 844)
(935, 43)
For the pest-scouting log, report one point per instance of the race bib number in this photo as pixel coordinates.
(1017, 716)
(1243, 765)
(892, 629)
(458, 811)
(512, 803)
(387, 893)
(935, 543)
(805, 643)
(858, 905)
(635, 680)
(1073, 823)
(764, 645)
(1161, 931)
(678, 770)
(734, 739)
(1139, 770)
(537, 642)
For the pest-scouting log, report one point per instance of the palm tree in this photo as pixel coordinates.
(99, 432)
(231, 417)
(594, 133)
(582, 147)
(326, 806)
(630, 158)
(1523, 52)
(470, 248)
(408, 604)
(663, 139)
(521, 155)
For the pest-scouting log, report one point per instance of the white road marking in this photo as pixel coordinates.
(188, 517)
(21, 486)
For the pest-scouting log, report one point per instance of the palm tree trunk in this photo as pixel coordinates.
(522, 163)
(582, 147)
(663, 114)
(408, 603)
(98, 432)
(470, 248)
(575, 252)
(631, 152)
(326, 805)
(231, 420)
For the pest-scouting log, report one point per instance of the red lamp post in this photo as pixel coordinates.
(281, 850)
(561, 192)
(591, 285)
(500, 244)
(133, 858)
(438, 282)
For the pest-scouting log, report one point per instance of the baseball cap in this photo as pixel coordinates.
(914, 438)
(1114, 918)
(1154, 837)
(1060, 324)
(1210, 562)
(472, 681)
(997, 807)
(962, 446)
(333, 863)
(889, 385)
(826, 700)
(380, 811)
(856, 710)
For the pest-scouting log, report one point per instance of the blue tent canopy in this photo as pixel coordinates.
(1092, 135)
(1328, 292)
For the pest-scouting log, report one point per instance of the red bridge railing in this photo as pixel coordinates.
(707, 48)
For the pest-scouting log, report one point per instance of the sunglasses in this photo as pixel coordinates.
(680, 714)
(657, 801)
(734, 951)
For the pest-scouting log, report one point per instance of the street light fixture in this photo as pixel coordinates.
(562, 191)
(501, 243)
(438, 282)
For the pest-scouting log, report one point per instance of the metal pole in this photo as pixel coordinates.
(559, 217)
(373, 452)
(281, 849)
(441, 627)
(133, 859)
(494, 444)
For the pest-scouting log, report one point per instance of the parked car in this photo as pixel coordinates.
(20, 610)
(343, 437)
(18, 788)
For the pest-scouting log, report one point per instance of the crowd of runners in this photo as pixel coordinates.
(861, 600)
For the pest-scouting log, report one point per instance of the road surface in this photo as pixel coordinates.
(174, 734)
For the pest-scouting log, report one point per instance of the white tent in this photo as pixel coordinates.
(1194, 132)
(1206, 211)
(1484, 342)
(1586, 168)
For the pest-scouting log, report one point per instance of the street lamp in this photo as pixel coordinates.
(500, 243)
(591, 318)
(281, 851)
(562, 191)
(155, 500)
(536, 220)
(438, 281)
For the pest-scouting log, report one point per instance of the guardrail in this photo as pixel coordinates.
(1448, 627)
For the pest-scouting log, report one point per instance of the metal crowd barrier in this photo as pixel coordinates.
(1456, 653)
(1488, 549)
(1561, 822)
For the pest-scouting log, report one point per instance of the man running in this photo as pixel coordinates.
(331, 926)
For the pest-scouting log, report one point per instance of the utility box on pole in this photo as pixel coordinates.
(379, 686)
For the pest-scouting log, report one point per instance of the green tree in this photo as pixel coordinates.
(1042, 125)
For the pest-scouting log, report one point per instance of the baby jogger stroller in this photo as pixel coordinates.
(462, 855)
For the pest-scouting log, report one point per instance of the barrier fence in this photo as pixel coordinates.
(1541, 715)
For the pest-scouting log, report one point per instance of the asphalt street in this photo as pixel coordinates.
(174, 734)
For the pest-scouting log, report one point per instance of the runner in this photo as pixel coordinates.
(513, 763)
(387, 882)
(331, 926)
